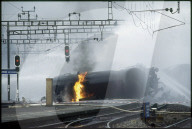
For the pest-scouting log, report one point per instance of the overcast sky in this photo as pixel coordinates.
(135, 45)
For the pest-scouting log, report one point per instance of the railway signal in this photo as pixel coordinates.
(67, 56)
(17, 61)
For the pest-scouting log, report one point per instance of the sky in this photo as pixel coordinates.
(135, 44)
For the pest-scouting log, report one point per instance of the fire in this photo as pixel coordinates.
(79, 87)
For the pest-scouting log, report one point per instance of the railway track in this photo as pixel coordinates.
(109, 123)
(62, 119)
(101, 120)
(105, 120)
(91, 121)
(109, 117)
(182, 123)
(120, 119)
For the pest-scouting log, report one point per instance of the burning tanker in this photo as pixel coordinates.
(122, 84)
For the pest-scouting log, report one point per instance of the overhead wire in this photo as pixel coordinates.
(14, 6)
(131, 13)
(153, 13)
(170, 17)
(147, 18)
(117, 8)
(145, 21)
(128, 12)
(14, 13)
(182, 23)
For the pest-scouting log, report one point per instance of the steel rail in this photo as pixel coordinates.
(172, 125)
(113, 120)
(96, 117)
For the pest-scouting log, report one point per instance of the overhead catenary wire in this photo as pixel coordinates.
(167, 28)
(14, 6)
(132, 13)
(145, 20)
(182, 23)
(117, 8)
(150, 10)
(145, 24)
(170, 17)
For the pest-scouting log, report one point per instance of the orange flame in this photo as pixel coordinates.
(79, 87)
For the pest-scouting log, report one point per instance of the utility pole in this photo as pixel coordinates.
(110, 12)
(66, 41)
(17, 92)
(178, 8)
(17, 64)
(8, 60)
(101, 29)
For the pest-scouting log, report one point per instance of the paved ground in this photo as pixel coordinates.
(36, 111)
